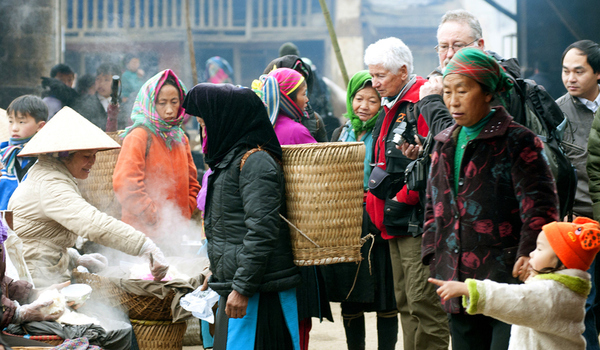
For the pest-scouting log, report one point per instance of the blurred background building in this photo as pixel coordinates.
(36, 34)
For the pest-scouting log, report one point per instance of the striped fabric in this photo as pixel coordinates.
(144, 110)
(275, 94)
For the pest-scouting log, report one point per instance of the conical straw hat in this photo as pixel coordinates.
(68, 131)
(3, 126)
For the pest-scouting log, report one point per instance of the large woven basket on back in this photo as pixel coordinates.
(97, 189)
(324, 195)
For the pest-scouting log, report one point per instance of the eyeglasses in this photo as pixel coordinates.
(455, 47)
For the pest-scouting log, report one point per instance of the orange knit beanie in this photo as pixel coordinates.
(576, 243)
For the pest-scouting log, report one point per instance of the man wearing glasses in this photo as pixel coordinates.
(457, 29)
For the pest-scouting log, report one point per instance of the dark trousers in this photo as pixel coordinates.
(354, 325)
(478, 332)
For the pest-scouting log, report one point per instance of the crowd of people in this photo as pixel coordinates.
(480, 257)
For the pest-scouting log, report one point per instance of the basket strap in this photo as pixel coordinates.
(363, 241)
(297, 229)
(254, 150)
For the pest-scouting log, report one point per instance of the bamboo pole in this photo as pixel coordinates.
(191, 43)
(334, 41)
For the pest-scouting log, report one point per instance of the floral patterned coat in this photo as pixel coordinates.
(506, 194)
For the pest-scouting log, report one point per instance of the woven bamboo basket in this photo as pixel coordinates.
(324, 194)
(158, 335)
(48, 339)
(136, 306)
(97, 189)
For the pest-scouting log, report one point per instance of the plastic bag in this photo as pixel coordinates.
(200, 304)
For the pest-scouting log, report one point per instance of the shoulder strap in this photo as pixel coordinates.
(252, 151)
(148, 139)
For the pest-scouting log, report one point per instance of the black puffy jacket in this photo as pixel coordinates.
(248, 244)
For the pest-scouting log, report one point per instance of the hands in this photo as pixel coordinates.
(522, 268)
(236, 305)
(158, 263)
(94, 262)
(205, 283)
(433, 86)
(32, 312)
(411, 151)
(450, 289)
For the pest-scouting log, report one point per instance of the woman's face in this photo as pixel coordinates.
(80, 163)
(301, 97)
(168, 102)
(465, 99)
(366, 103)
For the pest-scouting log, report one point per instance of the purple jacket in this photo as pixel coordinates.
(290, 132)
(506, 194)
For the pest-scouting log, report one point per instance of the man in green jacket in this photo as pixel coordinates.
(580, 75)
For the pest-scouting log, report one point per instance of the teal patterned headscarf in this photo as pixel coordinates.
(144, 110)
(357, 83)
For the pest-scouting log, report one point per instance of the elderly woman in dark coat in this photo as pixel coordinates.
(489, 195)
(248, 246)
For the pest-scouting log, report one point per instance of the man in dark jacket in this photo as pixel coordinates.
(396, 212)
(94, 107)
(580, 75)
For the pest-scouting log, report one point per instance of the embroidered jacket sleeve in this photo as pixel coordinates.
(534, 189)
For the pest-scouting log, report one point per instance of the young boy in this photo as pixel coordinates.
(94, 107)
(26, 116)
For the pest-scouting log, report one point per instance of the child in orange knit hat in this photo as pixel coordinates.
(548, 310)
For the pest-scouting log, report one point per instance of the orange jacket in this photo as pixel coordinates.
(157, 190)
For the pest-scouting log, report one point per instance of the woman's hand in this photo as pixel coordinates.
(450, 289)
(32, 312)
(522, 268)
(158, 263)
(236, 305)
(205, 282)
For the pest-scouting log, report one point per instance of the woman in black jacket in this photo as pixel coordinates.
(248, 246)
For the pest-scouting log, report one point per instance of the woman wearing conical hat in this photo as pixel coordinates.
(50, 213)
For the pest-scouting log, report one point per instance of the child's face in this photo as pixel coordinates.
(168, 102)
(301, 97)
(103, 85)
(21, 126)
(134, 64)
(543, 256)
(67, 79)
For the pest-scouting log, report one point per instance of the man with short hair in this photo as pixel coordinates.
(457, 29)
(95, 107)
(395, 211)
(580, 76)
(58, 95)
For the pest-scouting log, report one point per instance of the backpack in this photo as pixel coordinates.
(534, 108)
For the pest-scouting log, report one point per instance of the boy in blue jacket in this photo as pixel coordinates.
(26, 115)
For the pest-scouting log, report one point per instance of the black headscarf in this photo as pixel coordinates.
(293, 62)
(234, 117)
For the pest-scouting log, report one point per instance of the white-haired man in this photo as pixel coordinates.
(395, 211)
